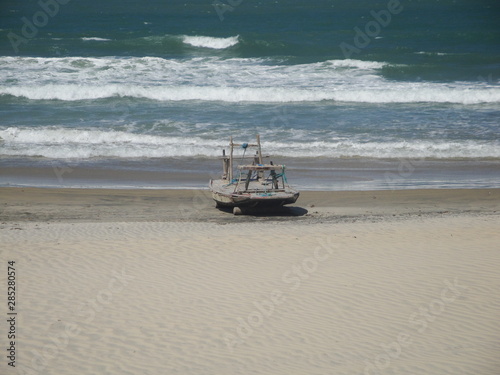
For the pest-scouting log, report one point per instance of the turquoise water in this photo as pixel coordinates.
(115, 84)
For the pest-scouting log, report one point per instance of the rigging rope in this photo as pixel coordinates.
(244, 146)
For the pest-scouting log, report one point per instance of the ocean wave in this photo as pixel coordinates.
(434, 53)
(243, 72)
(226, 80)
(97, 39)
(64, 143)
(210, 42)
(400, 94)
(360, 64)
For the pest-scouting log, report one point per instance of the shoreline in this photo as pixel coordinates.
(316, 174)
(18, 204)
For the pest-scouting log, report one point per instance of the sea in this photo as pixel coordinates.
(349, 95)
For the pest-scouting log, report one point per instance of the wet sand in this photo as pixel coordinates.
(111, 205)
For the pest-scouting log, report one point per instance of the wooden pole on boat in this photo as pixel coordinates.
(247, 181)
(260, 174)
(260, 151)
(224, 165)
(231, 159)
(273, 177)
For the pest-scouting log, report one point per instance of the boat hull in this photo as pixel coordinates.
(254, 199)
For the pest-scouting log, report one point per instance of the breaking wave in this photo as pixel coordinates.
(400, 94)
(95, 39)
(53, 142)
(210, 42)
(226, 80)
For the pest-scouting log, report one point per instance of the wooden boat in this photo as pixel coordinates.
(253, 185)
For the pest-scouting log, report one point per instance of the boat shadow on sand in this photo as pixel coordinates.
(283, 211)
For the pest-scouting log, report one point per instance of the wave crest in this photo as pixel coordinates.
(96, 39)
(63, 143)
(402, 94)
(210, 42)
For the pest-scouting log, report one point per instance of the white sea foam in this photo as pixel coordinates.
(409, 94)
(433, 53)
(65, 143)
(97, 39)
(227, 80)
(350, 63)
(210, 42)
(55, 142)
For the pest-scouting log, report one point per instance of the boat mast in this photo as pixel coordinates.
(260, 174)
(259, 149)
(225, 165)
(231, 159)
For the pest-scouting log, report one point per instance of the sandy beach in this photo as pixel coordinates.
(117, 116)
(161, 282)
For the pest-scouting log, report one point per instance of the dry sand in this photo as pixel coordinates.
(159, 282)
